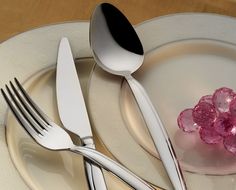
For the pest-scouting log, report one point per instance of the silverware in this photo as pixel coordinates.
(118, 50)
(72, 109)
(49, 135)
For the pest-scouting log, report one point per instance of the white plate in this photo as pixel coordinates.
(192, 55)
(24, 56)
(39, 167)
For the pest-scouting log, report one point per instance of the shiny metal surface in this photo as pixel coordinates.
(49, 135)
(71, 105)
(118, 50)
(72, 109)
(115, 44)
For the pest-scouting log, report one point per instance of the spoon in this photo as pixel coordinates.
(117, 49)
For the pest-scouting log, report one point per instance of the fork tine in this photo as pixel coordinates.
(24, 112)
(27, 105)
(31, 102)
(55, 138)
(31, 131)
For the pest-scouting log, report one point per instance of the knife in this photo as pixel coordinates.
(73, 114)
(72, 110)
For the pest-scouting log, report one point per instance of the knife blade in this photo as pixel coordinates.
(72, 109)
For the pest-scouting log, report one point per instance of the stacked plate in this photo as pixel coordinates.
(186, 56)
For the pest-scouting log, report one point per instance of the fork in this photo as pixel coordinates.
(51, 136)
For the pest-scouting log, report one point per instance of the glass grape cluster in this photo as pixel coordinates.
(214, 117)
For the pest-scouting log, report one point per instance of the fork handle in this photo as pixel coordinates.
(94, 176)
(108, 164)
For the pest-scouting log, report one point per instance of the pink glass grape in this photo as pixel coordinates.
(185, 121)
(209, 135)
(207, 99)
(204, 114)
(232, 107)
(224, 124)
(222, 98)
(230, 143)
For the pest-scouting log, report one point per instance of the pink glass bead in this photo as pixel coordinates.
(224, 124)
(185, 121)
(207, 98)
(230, 143)
(232, 107)
(209, 135)
(204, 114)
(222, 98)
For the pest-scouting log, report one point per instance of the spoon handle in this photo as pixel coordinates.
(107, 163)
(158, 134)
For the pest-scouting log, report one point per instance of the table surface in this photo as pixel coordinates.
(19, 16)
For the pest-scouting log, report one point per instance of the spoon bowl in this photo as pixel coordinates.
(115, 44)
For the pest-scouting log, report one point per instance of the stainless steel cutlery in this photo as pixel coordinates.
(117, 49)
(49, 135)
(72, 109)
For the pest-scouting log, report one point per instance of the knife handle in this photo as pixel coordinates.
(158, 134)
(94, 176)
(117, 169)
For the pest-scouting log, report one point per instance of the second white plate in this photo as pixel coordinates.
(193, 54)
